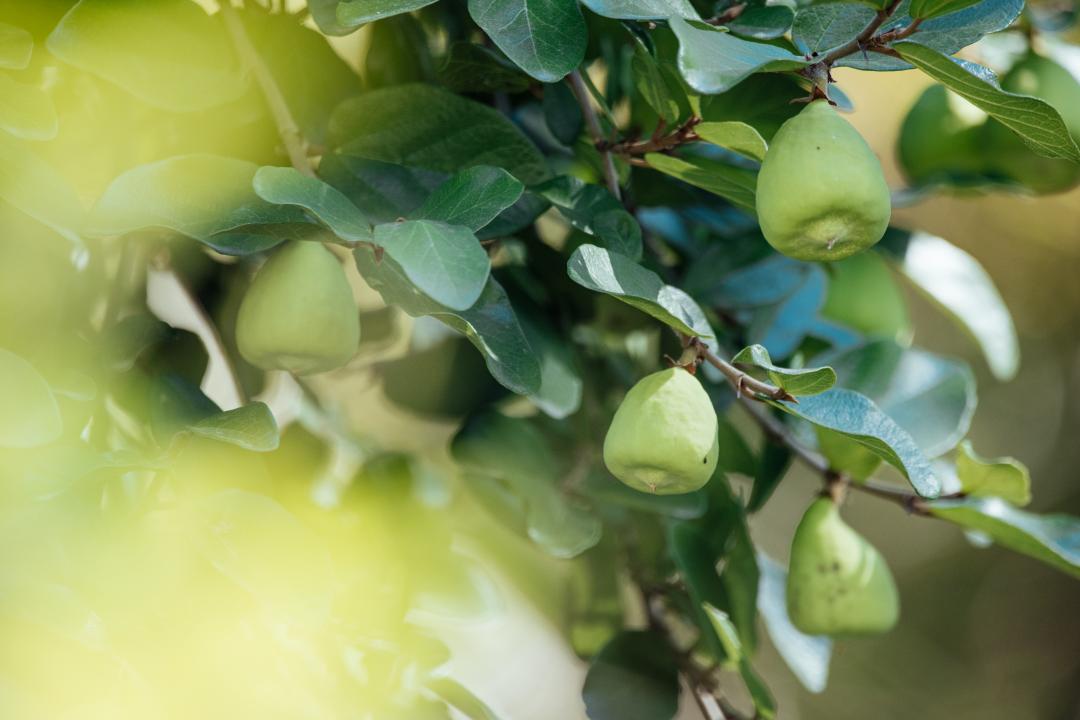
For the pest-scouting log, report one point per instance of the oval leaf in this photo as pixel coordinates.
(288, 186)
(545, 38)
(805, 381)
(473, 198)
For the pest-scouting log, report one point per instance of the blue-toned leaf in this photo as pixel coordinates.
(545, 38)
(714, 61)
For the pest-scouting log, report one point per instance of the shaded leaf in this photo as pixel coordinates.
(354, 13)
(382, 191)
(168, 53)
(545, 38)
(33, 186)
(856, 416)
(288, 186)
(819, 28)
(559, 395)
(472, 68)
(763, 699)
(410, 124)
(713, 61)
(658, 86)
(489, 324)
(634, 677)
(737, 185)
(927, 9)
(29, 414)
(472, 198)
(609, 491)
(957, 282)
(195, 195)
(1053, 539)
(772, 467)
(597, 269)
(762, 22)
(562, 114)
(514, 452)
(251, 427)
(642, 9)
(445, 262)
(807, 655)
(594, 210)
(804, 381)
(1037, 123)
(783, 327)
(16, 47)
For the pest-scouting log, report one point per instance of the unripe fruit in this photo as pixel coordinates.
(838, 583)
(941, 139)
(663, 436)
(1042, 78)
(299, 315)
(821, 194)
(863, 296)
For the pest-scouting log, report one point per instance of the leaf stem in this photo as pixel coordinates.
(739, 379)
(592, 124)
(863, 39)
(287, 128)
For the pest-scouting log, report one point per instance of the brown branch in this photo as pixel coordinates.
(287, 128)
(728, 15)
(740, 380)
(658, 142)
(592, 124)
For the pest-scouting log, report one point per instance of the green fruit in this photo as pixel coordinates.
(663, 436)
(299, 315)
(838, 583)
(941, 139)
(1042, 78)
(821, 194)
(864, 297)
(846, 455)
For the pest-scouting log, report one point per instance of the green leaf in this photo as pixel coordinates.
(736, 136)
(559, 395)
(288, 186)
(927, 9)
(634, 677)
(410, 124)
(26, 111)
(168, 53)
(195, 195)
(382, 191)
(489, 324)
(1004, 477)
(603, 488)
(762, 22)
(819, 28)
(1038, 124)
(545, 38)
(445, 262)
(514, 452)
(737, 185)
(29, 415)
(658, 86)
(562, 114)
(772, 467)
(642, 9)
(594, 210)
(805, 381)
(16, 47)
(806, 655)
(472, 68)
(460, 698)
(354, 13)
(33, 186)
(251, 427)
(958, 283)
(473, 198)
(931, 397)
(1053, 539)
(856, 416)
(759, 693)
(714, 61)
(762, 101)
(597, 269)
(783, 327)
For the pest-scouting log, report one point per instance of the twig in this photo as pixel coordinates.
(279, 108)
(658, 142)
(740, 380)
(862, 40)
(592, 124)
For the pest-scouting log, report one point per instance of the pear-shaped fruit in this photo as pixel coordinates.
(1042, 78)
(838, 583)
(299, 314)
(821, 194)
(941, 139)
(663, 436)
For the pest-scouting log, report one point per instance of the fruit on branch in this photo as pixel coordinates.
(299, 314)
(663, 437)
(1042, 78)
(821, 194)
(838, 583)
(941, 140)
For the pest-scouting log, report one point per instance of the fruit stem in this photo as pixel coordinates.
(592, 123)
(287, 128)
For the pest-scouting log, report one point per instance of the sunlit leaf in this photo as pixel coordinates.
(713, 61)
(1005, 477)
(733, 135)
(251, 427)
(29, 415)
(804, 381)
